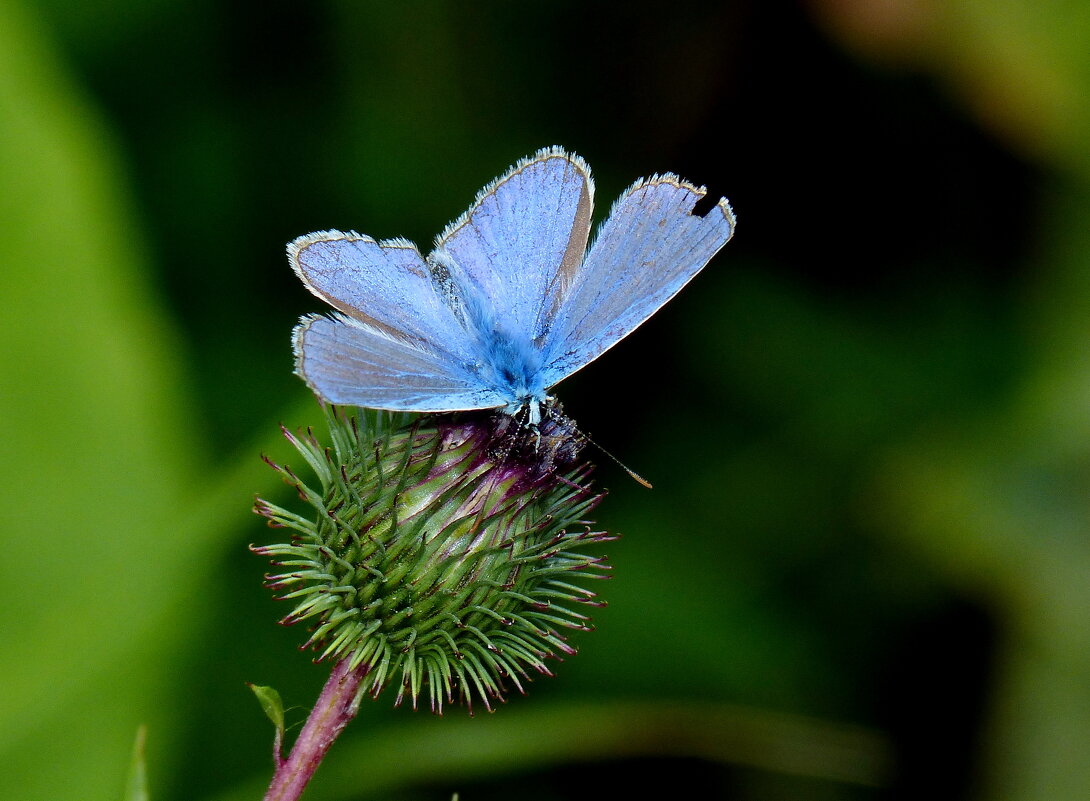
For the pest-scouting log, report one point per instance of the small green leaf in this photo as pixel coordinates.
(271, 703)
(136, 788)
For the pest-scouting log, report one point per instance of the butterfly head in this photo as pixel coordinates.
(513, 368)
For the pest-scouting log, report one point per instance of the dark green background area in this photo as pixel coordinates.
(864, 571)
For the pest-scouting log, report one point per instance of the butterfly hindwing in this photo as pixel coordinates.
(348, 362)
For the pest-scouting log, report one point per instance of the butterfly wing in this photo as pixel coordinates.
(649, 247)
(502, 294)
(396, 344)
(523, 239)
(386, 285)
(348, 362)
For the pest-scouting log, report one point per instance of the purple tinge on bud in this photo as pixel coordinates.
(441, 552)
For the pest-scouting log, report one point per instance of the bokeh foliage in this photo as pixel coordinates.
(863, 571)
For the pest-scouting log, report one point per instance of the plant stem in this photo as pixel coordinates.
(337, 705)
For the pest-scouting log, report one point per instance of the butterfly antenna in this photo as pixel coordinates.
(635, 476)
(552, 410)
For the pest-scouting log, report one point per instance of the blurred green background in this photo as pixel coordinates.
(863, 571)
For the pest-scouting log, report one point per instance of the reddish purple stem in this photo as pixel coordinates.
(336, 706)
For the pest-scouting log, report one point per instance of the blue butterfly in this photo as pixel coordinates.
(509, 303)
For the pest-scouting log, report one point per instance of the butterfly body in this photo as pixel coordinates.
(508, 360)
(509, 303)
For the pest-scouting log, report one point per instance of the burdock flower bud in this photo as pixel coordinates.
(443, 554)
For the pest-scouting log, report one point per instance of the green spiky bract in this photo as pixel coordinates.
(440, 552)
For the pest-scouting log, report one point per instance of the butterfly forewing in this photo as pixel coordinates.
(650, 246)
(523, 239)
(384, 284)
